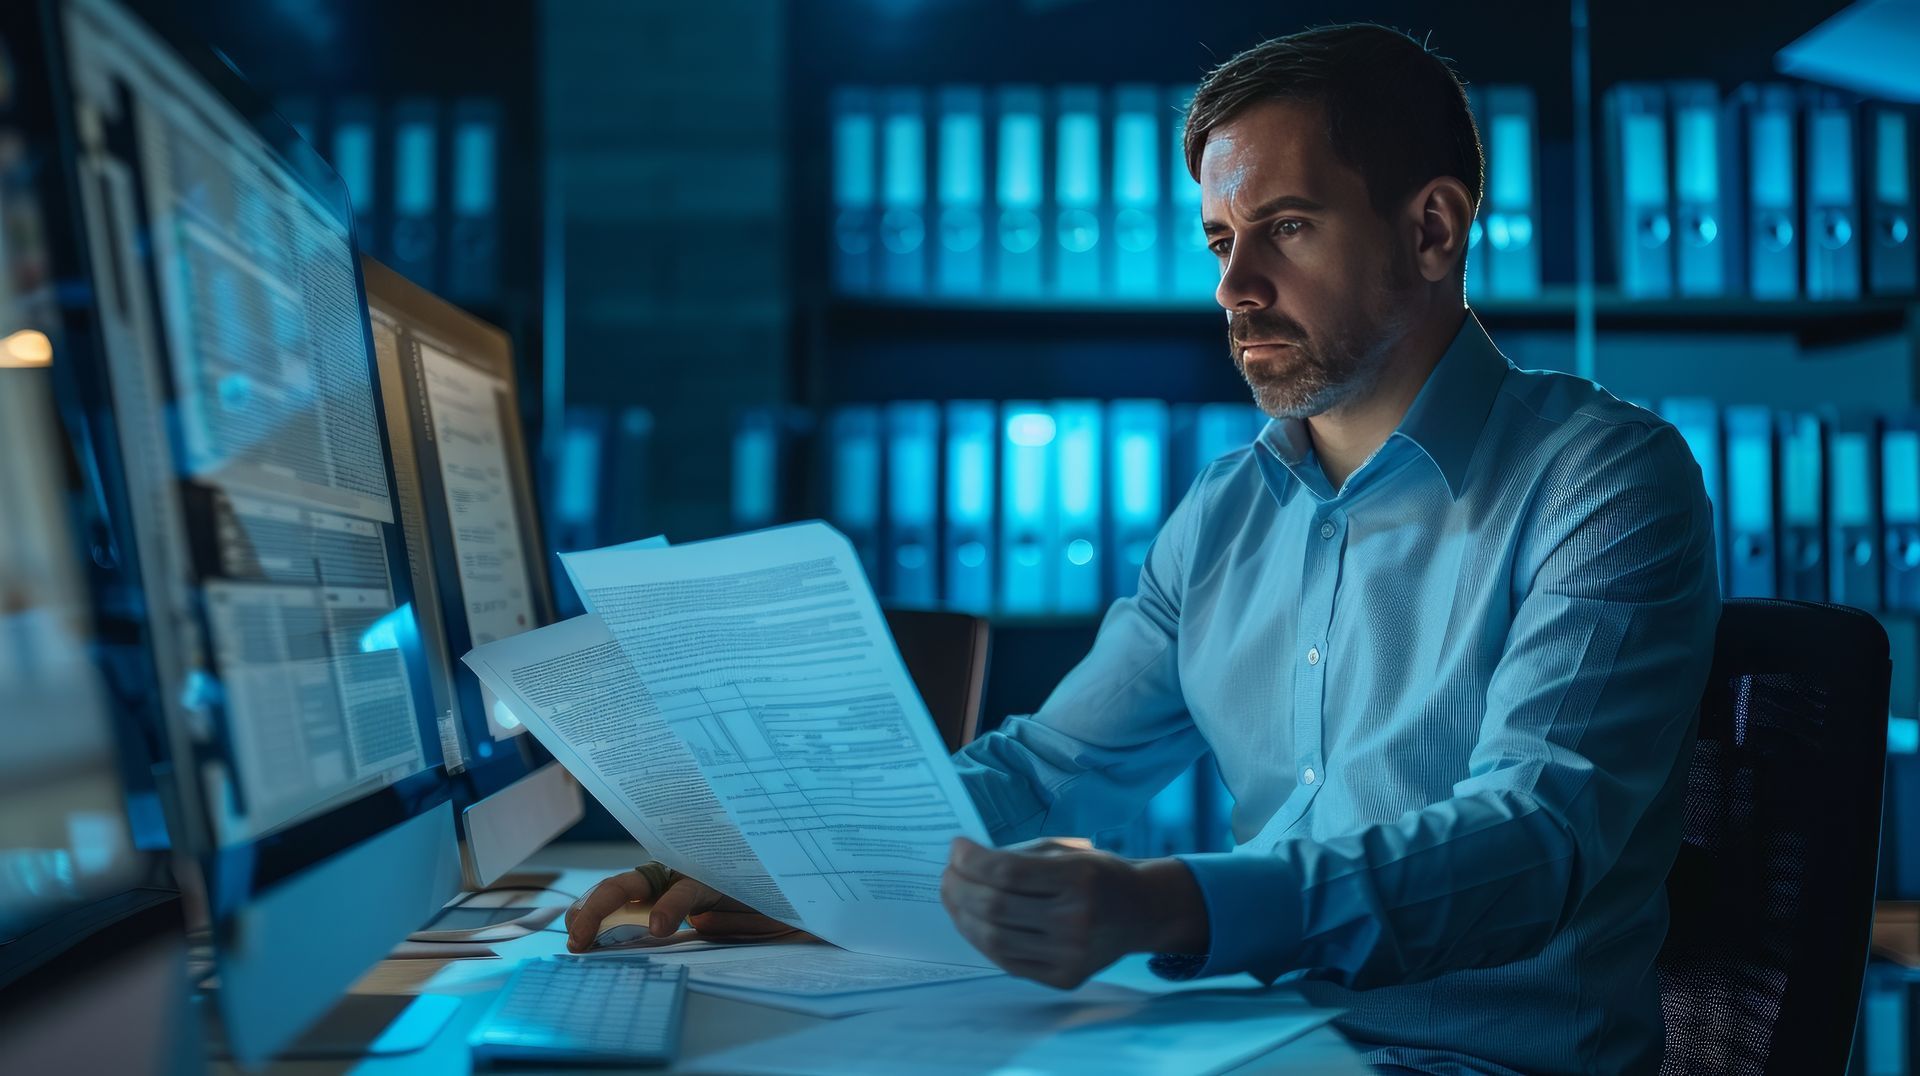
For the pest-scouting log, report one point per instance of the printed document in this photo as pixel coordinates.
(1098, 1028)
(766, 659)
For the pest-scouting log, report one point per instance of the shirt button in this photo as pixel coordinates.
(1313, 656)
(1308, 776)
(1326, 529)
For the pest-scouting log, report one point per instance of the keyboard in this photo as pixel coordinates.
(609, 1011)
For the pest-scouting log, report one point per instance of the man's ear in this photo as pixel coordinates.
(1438, 216)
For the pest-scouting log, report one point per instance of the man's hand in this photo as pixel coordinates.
(1057, 911)
(709, 911)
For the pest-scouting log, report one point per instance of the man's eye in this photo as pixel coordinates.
(1220, 247)
(1290, 227)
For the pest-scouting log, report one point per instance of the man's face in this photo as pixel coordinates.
(1311, 277)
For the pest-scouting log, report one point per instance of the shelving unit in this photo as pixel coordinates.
(863, 350)
(1812, 323)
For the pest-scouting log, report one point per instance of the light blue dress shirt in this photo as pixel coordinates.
(1453, 701)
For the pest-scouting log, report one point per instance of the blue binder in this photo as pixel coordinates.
(1205, 432)
(961, 165)
(1698, 421)
(853, 450)
(1893, 266)
(1700, 179)
(414, 248)
(1642, 209)
(913, 497)
(1833, 242)
(575, 505)
(1854, 527)
(1027, 501)
(1900, 510)
(354, 157)
(1513, 204)
(1476, 273)
(1803, 532)
(1079, 207)
(1194, 273)
(1136, 244)
(1018, 192)
(1078, 552)
(1764, 118)
(756, 469)
(626, 490)
(1752, 569)
(473, 239)
(1138, 465)
(855, 189)
(903, 192)
(969, 543)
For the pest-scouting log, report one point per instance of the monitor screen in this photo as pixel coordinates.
(467, 504)
(249, 447)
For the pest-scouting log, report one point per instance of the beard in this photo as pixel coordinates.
(1319, 371)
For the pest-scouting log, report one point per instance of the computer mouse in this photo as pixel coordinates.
(622, 934)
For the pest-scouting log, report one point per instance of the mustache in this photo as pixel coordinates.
(1265, 325)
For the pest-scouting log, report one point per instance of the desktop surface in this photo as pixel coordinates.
(713, 1024)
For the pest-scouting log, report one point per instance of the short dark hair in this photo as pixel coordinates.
(1395, 111)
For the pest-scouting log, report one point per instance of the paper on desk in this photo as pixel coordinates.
(1099, 1028)
(836, 1006)
(767, 655)
(821, 971)
(573, 687)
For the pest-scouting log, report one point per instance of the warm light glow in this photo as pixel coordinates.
(28, 347)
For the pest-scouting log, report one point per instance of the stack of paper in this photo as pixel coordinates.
(740, 707)
(1099, 1028)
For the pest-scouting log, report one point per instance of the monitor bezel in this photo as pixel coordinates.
(233, 873)
(407, 301)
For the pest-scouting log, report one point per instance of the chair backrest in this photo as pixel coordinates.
(946, 654)
(1772, 894)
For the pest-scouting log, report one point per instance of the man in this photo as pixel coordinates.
(1444, 627)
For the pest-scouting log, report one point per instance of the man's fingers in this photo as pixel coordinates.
(737, 923)
(1031, 956)
(585, 914)
(1015, 911)
(1014, 872)
(681, 899)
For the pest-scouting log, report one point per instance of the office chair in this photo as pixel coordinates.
(946, 654)
(1772, 893)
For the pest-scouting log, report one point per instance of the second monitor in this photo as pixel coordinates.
(472, 530)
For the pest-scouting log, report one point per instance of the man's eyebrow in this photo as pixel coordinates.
(1272, 206)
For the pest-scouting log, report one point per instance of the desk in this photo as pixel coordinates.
(712, 1024)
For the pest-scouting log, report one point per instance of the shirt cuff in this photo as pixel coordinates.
(1246, 895)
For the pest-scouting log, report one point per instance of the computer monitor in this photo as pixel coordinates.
(90, 931)
(472, 525)
(227, 377)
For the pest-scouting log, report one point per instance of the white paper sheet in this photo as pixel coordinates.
(1099, 1028)
(573, 687)
(821, 970)
(767, 655)
(965, 992)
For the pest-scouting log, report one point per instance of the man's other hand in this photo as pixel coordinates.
(1058, 911)
(709, 911)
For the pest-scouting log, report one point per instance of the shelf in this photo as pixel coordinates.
(1824, 321)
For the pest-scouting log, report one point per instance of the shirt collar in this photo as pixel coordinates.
(1451, 410)
(1444, 421)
